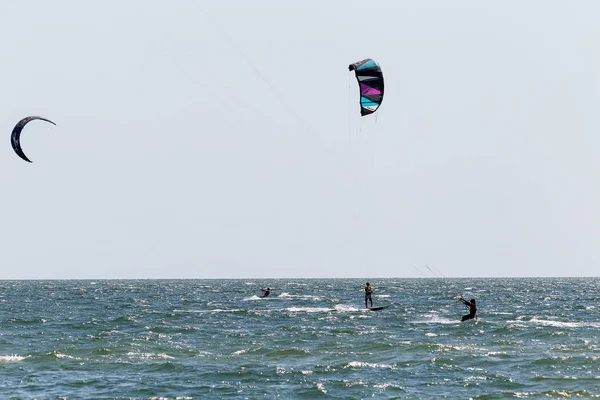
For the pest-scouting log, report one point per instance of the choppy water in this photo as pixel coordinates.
(194, 339)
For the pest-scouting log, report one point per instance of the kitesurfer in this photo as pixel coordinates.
(368, 293)
(266, 292)
(472, 308)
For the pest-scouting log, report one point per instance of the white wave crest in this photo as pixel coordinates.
(61, 355)
(146, 356)
(214, 310)
(286, 295)
(361, 364)
(12, 358)
(346, 308)
(308, 309)
(563, 324)
(436, 319)
(321, 387)
(255, 297)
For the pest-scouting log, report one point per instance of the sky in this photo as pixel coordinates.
(199, 139)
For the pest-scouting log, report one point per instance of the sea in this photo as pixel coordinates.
(310, 339)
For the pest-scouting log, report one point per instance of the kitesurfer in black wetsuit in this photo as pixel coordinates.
(266, 292)
(368, 293)
(472, 308)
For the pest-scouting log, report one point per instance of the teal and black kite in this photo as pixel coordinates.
(370, 79)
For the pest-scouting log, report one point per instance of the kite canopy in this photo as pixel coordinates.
(370, 80)
(16, 135)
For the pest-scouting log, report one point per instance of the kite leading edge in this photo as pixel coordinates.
(16, 135)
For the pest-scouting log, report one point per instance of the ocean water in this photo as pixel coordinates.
(311, 339)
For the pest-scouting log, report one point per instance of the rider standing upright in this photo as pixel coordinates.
(368, 293)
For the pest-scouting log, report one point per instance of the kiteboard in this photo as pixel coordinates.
(377, 308)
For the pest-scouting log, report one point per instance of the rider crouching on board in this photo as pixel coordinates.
(472, 308)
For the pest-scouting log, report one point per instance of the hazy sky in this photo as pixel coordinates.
(222, 139)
